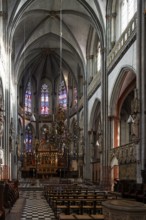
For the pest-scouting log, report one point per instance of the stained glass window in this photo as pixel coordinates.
(75, 96)
(28, 98)
(28, 138)
(99, 58)
(128, 8)
(62, 95)
(131, 9)
(44, 100)
(124, 15)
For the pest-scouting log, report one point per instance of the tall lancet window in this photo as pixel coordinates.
(124, 15)
(28, 138)
(99, 58)
(128, 8)
(62, 95)
(44, 99)
(28, 98)
(75, 97)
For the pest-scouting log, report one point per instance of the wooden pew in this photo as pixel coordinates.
(62, 216)
(76, 205)
(75, 202)
(2, 210)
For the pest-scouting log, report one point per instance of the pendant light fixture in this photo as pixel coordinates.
(60, 70)
(60, 47)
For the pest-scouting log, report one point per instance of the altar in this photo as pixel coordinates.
(49, 152)
(43, 163)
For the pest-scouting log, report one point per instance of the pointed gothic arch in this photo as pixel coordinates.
(95, 139)
(95, 112)
(118, 88)
(124, 85)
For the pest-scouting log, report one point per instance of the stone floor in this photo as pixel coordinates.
(36, 207)
(31, 204)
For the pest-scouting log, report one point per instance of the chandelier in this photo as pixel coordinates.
(57, 135)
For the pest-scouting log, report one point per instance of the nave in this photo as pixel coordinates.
(62, 199)
(36, 207)
(31, 204)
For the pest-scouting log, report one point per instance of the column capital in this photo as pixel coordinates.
(113, 15)
(103, 50)
(113, 117)
(91, 132)
(3, 14)
(90, 57)
(108, 17)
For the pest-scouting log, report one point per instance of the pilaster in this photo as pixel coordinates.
(141, 48)
(104, 116)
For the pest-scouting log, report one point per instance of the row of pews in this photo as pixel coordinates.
(8, 195)
(71, 201)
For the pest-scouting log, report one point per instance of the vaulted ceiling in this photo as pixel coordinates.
(42, 31)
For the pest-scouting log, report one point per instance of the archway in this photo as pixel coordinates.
(122, 114)
(95, 139)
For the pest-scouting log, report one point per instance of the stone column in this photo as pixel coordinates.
(86, 139)
(141, 78)
(104, 119)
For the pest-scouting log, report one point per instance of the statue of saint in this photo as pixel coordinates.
(135, 117)
(135, 126)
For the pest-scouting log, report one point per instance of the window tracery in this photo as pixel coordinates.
(28, 98)
(75, 97)
(62, 95)
(45, 99)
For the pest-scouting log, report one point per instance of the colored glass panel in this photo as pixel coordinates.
(75, 96)
(28, 99)
(62, 95)
(44, 100)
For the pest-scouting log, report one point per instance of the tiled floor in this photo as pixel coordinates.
(36, 207)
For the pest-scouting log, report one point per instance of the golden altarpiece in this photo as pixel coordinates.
(50, 153)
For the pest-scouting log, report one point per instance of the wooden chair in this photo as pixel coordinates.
(83, 217)
(98, 217)
(2, 210)
(62, 216)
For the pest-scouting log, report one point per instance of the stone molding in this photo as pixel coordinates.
(125, 154)
(93, 85)
(3, 14)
